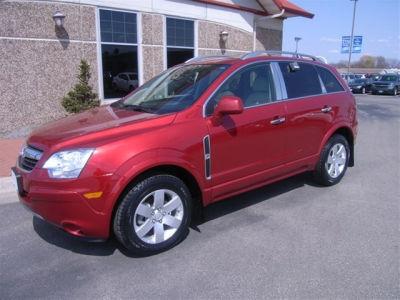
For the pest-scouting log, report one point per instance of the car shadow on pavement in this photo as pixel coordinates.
(59, 238)
(265, 193)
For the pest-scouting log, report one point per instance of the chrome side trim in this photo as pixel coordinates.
(207, 157)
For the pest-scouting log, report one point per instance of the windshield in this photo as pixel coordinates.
(389, 78)
(173, 90)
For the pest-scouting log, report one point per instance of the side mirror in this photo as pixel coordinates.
(229, 105)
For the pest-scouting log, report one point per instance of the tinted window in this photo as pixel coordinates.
(254, 85)
(117, 59)
(301, 82)
(330, 82)
(180, 32)
(176, 56)
(180, 41)
(118, 27)
(119, 50)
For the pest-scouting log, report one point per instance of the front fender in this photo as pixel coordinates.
(148, 160)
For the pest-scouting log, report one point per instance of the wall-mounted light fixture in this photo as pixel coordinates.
(224, 36)
(58, 18)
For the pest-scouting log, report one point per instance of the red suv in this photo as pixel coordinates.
(195, 134)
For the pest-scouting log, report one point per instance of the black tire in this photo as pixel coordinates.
(124, 216)
(321, 174)
(394, 92)
(363, 90)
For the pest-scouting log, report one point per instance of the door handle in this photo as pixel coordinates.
(326, 109)
(278, 120)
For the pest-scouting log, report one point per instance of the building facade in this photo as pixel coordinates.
(126, 43)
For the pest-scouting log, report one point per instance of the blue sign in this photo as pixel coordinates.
(357, 43)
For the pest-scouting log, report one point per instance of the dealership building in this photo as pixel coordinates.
(126, 42)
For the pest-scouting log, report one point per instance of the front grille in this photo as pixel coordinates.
(29, 158)
(381, 85)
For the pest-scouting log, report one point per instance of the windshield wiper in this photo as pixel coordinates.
(136, 108)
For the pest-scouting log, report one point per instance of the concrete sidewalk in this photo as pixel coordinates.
(9, 150)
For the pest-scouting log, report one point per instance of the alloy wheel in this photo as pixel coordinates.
(336, 160)
(158, 216)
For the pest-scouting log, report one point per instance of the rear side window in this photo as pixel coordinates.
(301, 81)
(329, 80)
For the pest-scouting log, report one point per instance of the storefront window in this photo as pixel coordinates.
(180, 41)
(119, 52)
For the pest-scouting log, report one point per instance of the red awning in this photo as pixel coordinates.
(293, 8)
(290, 8)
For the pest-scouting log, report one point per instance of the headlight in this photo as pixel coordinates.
(391, 85)
(358, 86)
(67, 164)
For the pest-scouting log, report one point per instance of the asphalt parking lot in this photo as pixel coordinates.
(292, 239)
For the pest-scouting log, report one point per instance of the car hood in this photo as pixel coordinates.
(95, 124)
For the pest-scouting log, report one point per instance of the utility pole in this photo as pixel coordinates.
(297, 40)
(352, 35)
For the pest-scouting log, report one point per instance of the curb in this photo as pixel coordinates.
(6, 185)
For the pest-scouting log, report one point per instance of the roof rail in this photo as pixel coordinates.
(275, 52)
(207, 57)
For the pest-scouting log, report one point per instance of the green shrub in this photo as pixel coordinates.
(81, 97)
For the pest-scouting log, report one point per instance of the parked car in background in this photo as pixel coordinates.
(387, 84)
(359, 76)
(374, 77)
(360, 85)
(125, 81)
(348, 77)
(198, 133)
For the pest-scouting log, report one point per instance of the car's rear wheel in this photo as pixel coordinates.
(363, 90)
(154, 215)
(333, 162)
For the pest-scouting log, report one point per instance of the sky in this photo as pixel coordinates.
(378, 21)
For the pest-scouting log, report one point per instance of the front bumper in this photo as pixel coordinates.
(62, 202)
(382, 90)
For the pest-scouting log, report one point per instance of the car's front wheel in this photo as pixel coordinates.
(333, 161)
(154, 215)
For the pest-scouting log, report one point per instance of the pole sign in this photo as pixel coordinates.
(357, 43)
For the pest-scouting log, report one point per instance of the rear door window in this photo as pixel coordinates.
(301, 81)
(330, 82)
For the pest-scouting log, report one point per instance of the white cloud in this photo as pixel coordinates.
(383, 40)
(330, 39)
(333, 51)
